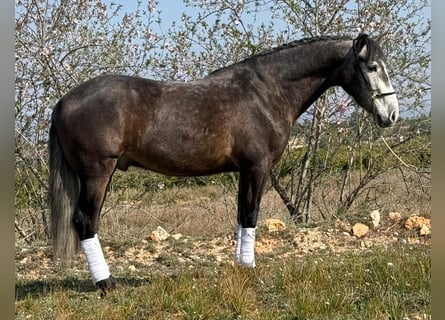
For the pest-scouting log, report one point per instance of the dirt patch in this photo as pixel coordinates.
(177, 251)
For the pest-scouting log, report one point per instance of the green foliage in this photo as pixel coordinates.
(26, 187)
(30, 187)
(149, 181)
(415, 151)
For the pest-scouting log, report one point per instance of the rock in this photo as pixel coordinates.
(375, 218)
(275, 225)
(425, 230)
(416, 222)
(419, 223)
(360, 230)
(177, 236)
(395, 216)
(159, 234)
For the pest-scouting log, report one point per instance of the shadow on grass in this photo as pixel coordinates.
(39, 288)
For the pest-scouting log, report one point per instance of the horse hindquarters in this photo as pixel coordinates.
(77, 196)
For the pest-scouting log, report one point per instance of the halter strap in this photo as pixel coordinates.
(375, 93)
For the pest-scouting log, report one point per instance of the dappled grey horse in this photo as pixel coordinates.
(238, 118)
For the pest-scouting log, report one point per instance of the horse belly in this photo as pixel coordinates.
(179, 161)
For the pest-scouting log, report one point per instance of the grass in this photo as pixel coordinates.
(193, 277)
(387, 282)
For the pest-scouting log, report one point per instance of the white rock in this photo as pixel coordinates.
(159, 234)
(375, 218)
(177, 236)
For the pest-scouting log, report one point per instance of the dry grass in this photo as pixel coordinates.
(210, 211)
(385, 282)
(302, 273)
(196, 211)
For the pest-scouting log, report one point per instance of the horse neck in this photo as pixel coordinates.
(300, 74)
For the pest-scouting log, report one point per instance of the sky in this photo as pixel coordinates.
(172, 10)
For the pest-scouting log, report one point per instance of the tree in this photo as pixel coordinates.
(62, 43)
(228, 31)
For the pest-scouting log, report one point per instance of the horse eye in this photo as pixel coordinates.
(372, 67)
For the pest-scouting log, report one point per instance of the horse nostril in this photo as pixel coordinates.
(393, 117)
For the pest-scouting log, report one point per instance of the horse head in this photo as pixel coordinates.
(367, 80)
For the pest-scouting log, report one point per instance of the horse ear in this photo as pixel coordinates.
(379, 38)
(361, 46)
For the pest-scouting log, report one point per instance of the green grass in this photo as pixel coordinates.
(385, 282)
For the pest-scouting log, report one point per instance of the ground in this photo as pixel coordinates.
(35, 262)
(187, 272)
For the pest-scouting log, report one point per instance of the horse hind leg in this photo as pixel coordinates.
(86, 222)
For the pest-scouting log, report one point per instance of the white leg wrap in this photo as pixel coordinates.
(245, 247)
(96, 262)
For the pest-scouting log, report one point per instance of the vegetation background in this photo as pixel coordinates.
(339, 165)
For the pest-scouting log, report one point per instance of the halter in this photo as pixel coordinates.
(375, 93)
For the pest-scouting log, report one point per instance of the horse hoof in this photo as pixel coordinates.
(106, 285)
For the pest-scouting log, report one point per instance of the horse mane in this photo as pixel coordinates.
(282, 47)
(299, 42)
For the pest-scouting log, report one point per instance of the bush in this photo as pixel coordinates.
(149, 181)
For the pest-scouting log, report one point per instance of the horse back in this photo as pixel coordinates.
(174, 128)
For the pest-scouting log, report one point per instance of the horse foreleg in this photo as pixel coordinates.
(251, 186)
(245, 247)
(86, 221)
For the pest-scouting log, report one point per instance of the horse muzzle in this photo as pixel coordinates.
(385, 109)
(385, 122)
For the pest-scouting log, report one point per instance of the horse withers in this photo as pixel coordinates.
(238, 118)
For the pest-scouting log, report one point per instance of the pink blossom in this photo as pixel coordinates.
(342, 106)
(68, 67)
(150, 36)
(152, 6)
(45, 51)
(169, 47)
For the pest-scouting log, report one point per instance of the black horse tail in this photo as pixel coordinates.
(64, 192)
